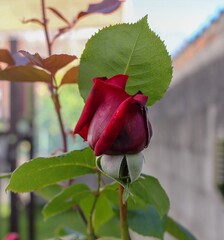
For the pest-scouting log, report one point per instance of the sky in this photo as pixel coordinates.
(177, 21)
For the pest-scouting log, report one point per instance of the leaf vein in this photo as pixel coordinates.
(132, 52)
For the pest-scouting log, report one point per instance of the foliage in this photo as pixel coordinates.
(60, 225)
(131, 49)
(46, 171)
(148, 203)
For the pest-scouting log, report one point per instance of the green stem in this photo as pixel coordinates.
(5, 175)
(123, 215)
(91, 232)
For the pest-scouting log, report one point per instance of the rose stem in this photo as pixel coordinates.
(123, 215)
(92, 235)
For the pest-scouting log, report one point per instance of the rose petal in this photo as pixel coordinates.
(140, 98)
(91, 105)
(119, 80)
(148, 125)
(112, 97)
(113, 128)
(99, 78)
(100, 93)
(133, 136)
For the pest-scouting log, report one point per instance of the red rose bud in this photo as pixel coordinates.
(112, 121)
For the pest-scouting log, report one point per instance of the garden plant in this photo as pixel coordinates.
(124, 69)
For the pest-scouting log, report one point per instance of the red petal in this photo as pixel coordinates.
(99, 93)
(90, 107)
(111, 98)
(148, 125)
(141, 99)
(133, 136)
(99, 78)
(119, 80)
(113, 128)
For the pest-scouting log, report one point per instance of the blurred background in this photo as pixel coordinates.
(187, 150)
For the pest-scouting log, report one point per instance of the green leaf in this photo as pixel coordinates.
(68, 231)
(108, 238)
(86, 205)
(67, 223)
(66, 199)
(148, 190)
(131, 49)
(50, 191)
(24, 74)
(74, 236)
(110, 192)
(111, 228)
(143, 218)
(147, 222)
(102, 213)
(41, 172)
(178, 231)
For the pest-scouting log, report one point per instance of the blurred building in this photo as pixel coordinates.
(187, 149)
(31, 35)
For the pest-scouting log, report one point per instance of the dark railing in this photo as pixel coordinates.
(20, 129)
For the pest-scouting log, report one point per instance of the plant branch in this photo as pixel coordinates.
(54, 91)
(57, 105)
(82, 215)
(45, 22)
(92, 235)
(123, 215)
(5, 175)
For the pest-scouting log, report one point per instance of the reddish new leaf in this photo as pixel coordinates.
(71, 76)
(33, 58)
(52, 63)
(106, 6)
(6, 57)
(59, 15)
(24, 74)
(56, 62)
(32, 20)
(60, 32)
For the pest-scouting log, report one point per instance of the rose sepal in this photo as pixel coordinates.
(124, 169)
